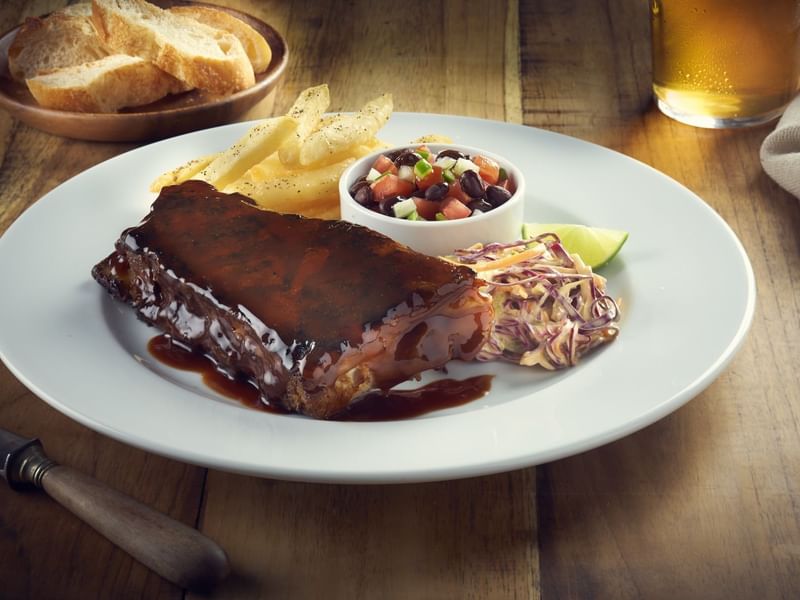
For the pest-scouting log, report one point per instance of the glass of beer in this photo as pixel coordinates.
(725, 63)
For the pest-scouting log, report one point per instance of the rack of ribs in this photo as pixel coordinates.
(314, 313)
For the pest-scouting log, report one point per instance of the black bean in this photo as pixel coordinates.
(357, 185)
(472, 184)
(363, 195)
(451, 153)
(408, 158)
(387, 203)
(481, 205)
(496, 195)
(437, 191)
(392, 156)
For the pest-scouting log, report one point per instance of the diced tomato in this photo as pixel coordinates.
(455, 191)
(391, 185)
(454, 209)
(431, 178)
(383, 164)
(489, 169)
(423, 148)
(427, 209)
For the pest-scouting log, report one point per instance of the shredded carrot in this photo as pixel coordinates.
(506, 261)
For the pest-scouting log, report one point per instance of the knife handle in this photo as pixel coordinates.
(175, 551)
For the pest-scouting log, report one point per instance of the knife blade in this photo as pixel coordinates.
(172, 549)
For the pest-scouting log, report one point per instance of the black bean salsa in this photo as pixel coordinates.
(416, 184)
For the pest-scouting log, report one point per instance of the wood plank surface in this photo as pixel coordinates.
(703, 504)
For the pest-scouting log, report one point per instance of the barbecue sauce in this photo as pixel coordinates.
(177, 356)
(390, 405)
(393, 405)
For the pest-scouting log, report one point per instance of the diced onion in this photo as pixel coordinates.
(464, 164)
(406, 173)
(404, 208)
(445, 162)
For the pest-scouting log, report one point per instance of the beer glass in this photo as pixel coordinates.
(725, 63)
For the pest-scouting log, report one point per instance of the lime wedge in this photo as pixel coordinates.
(594, 245)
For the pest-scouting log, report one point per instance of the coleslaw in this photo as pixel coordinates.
(550, 308)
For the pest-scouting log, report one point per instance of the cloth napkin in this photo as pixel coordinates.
(780, 152)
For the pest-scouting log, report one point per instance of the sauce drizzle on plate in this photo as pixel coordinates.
(393, 405)
(176, 355)
(390, 405)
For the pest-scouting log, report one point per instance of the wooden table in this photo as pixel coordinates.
(703, 504)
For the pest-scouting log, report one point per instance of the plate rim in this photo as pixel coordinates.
(437, 473)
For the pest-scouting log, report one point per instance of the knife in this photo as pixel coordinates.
(175, 551)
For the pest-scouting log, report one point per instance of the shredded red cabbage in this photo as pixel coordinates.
(550, 308)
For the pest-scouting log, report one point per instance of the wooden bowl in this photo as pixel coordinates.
(173, 115)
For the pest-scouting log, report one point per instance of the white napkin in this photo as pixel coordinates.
(780, 152)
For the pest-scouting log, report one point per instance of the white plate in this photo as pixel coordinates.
(686, 285)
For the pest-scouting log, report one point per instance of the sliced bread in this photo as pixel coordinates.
(202, 56)
(83, 9)
(256, 47)
(105, 85)
(58, 40)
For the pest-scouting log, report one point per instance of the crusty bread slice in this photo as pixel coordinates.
(82, 9)
(58, 40)
(202, 56)
(104, 85)
(256, 47)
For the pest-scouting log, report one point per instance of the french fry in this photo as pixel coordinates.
(433, 138)
(272, 167)
(283, 204)
(324, 211)
(257, 144)
(355, 151)
(307, 110)
(321, 208)
(295, 190)
(269, 168)
(292, 163)
(183, 173)
(345, 130)
(327, 120)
